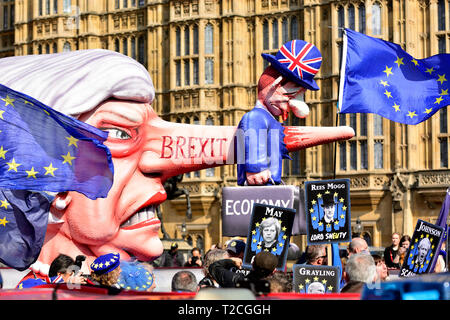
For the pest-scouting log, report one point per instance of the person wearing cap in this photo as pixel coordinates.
(236, 249)
(281, 88)
(224, 271)
(136, 276)
(106, 270)
(172, 258)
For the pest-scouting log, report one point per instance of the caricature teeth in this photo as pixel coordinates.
(146, 213)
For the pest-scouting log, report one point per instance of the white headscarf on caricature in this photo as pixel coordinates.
(78, 81)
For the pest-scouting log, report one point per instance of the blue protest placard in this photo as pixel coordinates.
(327, 204)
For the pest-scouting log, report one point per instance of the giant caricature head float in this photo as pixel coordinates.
(114, 93)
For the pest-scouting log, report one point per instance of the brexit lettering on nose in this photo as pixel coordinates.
(189, 149)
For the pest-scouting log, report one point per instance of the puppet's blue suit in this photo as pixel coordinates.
(269, 150)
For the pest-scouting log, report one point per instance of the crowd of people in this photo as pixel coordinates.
(222, 268)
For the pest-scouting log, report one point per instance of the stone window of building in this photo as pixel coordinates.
(116, 4)
(67, 47)
(125, 46)
(40, 7)
(186, 55)
(275, 41)
(117, 45)
(209, 71)
(178, 73)
(341, 21)
(178, 42)
(55, 6)
(133, 47)
(362, 18)
(47, 48)
(5, 17)
(443, 137)
(55, 47)
(125, 3)
(209, 60)
(266, 35)
(67, 6)
(294, 28)
(209, 39)
(351, 16)
(195, 39)
(47, 6)
(141, 50)
(441, 15)
(376, 19)
(187, 72)
(141, 3)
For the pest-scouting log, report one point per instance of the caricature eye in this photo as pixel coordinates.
(115, 133)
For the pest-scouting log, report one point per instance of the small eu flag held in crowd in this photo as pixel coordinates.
(379, 77)
(43, 149)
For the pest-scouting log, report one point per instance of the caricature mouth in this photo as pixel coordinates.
(145, 216)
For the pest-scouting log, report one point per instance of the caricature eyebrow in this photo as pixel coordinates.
(124, 112)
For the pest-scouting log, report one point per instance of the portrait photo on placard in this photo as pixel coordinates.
(327, 204)
(423, 249)
(270, 230)
(315, 279)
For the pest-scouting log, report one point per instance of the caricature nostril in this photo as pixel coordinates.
(156, 174)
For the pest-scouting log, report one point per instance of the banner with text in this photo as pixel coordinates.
(327, 203)
(270, 230)
(315, 279)
(422, 251)
(237, 206)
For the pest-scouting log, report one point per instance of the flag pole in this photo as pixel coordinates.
(337, 105)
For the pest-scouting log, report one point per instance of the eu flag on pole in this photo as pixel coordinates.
(43, 149)
(379, 77)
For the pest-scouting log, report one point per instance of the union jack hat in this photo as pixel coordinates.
(299, 61)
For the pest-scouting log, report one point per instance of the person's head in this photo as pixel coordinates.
(65, 266)
(212, 256)
(174, 247)
(316, 287)
(270, 229)
(382, 271)
(195, 252)
(106, 269)
(405, 241)
(361, 267)
(423, 247)
(264, 264)
(136, 276)
(316, 254)
(358, 245)
(236, 248)
(282, 85)
(279, 282)
(395, 239)
(328, 206)
(184, 281)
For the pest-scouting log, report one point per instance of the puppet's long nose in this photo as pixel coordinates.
(182, 148)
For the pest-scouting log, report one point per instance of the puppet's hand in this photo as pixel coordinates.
(259, 178)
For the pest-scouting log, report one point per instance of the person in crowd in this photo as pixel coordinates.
(64, 269)
(210, 257)
(279, 282)
(196, 258)
(236, 248)
(315, 255)
(224, 271)
(405, 241)
(390, 253)
(382, 270)
(360, 270)
(136, 276)
(184, 281)
(172, 258)
(106, 270)
(357, 245)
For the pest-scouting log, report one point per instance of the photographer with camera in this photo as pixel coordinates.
(195, 260)
(225, 273)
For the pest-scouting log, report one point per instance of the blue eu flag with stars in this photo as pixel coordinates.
(42, 149)
(379, 77)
